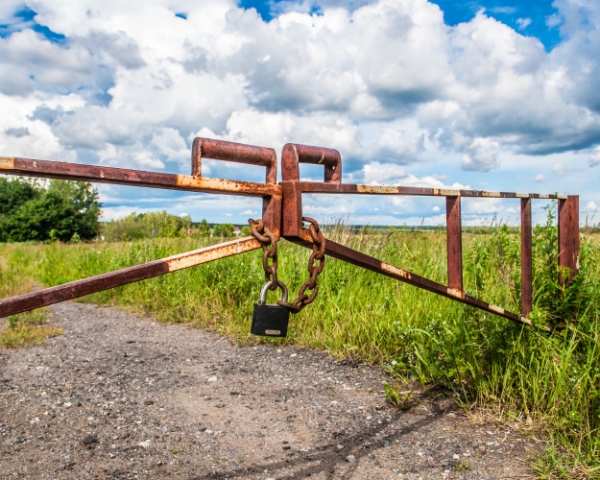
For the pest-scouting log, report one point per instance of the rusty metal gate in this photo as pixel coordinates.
(282, 217)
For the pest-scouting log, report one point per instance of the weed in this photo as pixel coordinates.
(398, 399)
(26, 335)
(462, 466)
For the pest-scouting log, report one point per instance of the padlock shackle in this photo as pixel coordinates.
(267, 286)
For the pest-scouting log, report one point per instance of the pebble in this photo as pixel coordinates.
(351, 459)
(145, 444)
(89, 440)
(148, 402)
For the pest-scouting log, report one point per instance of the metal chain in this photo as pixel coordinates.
(266, 239)
(318, 253)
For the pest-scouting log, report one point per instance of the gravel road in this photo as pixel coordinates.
(123, 397)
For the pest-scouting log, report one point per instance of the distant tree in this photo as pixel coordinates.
(203, 228)
(146, 225)
(246, 231)
(34, 212)
(14, 193)
(223, 230)
(84, 199)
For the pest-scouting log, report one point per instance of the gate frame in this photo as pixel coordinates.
(282, 214)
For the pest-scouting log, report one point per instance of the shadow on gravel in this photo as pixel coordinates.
(332, 461)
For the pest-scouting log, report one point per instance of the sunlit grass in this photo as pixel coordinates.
(26, 329)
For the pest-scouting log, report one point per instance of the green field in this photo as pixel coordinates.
(545, 383)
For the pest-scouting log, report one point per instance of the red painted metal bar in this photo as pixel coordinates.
(291, 158)
(454, 243)
(568, 237)
(362, 260)
(98, 283)
(99, 174)
(526, 258)
(334, 188)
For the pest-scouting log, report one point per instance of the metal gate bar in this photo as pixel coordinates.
(526, 258)
(138, 178)
(106, 281)
(373, 264)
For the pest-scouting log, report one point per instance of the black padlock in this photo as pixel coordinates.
(270, 320)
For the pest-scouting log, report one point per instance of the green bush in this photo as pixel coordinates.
(223, 230)
(30, 211)
(146, 225)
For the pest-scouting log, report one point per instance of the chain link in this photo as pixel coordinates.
(318, 253)
(266, 239)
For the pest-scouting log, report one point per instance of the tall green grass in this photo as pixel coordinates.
(28, 328)
(548, 380)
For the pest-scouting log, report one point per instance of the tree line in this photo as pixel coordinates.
(41, 210)
(68, 211)
(137, 226)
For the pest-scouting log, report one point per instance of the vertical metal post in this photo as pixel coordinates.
(568, 237)
(454, 241)
(526, 258)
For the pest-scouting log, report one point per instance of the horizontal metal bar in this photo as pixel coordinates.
(320, 187)
(80, 288)
(371, 263)
(92, 173)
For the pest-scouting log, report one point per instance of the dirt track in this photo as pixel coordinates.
(121, 397)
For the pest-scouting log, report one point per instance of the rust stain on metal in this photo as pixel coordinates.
(209, 254)
(376, 189)
(455, 292)
(7, 163)
(395, 270)
(526, 321)
(496, 309)
(218, 185)
(446, 192)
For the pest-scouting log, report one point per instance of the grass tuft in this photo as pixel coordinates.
(25, 329)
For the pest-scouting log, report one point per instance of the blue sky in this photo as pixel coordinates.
(532, 18)
(482, 94)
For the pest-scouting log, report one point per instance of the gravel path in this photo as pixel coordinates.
(121, 397)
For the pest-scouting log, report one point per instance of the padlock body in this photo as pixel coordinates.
(270, 320)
